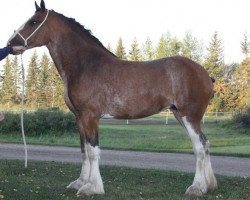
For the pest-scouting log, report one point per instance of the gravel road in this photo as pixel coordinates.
(229, 166)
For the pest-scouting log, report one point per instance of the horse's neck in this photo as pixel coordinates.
(70, 53)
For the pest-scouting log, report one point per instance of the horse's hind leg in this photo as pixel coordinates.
(204, 179)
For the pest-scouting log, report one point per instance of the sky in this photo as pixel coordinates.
(110, 19)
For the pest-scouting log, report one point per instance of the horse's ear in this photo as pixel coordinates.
(37, 7)
(42, 5)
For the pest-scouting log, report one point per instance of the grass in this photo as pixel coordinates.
(48, 180)
(224, 139)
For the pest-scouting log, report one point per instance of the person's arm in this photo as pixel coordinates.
(5, 52)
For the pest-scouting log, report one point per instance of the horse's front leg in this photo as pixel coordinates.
(84, 176)
(90, 181)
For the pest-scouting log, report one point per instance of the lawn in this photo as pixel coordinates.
(48, 180)
(224, 139)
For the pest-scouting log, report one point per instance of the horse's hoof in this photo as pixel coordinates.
(90, 189)
(77, 184)
(194, 191)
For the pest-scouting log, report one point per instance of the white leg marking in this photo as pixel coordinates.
(209, 174)
(94, 184)
(84, 176)
(199, 185)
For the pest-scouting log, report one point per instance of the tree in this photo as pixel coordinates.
(168, 46)
(174, 47)
(120, 50)
(56, 97)
(214, 60)
(162, 49)
(43, 81)
(191, 48)
(245, 46)
(148, 50)
(8, 89)
(134, 53)
(16, 79)
(241, 81)
(32, 81)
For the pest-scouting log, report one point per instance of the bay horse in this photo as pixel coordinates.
(98, 84)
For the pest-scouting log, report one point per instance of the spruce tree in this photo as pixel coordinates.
(162, 49)
(8, 88)
(214, 60)
(245, 46)
(17, 80)
(168, 46)
(120, 50)
(191, 48)
(174, 47)
(148, 50)
(134, 53)
(56, 97)
(32, 81)
(43, 84)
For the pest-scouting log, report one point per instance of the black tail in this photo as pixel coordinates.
(212, 79)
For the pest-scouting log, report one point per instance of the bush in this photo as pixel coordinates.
(39, 122)
(242, 119)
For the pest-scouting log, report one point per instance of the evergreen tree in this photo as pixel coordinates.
(43, 84)
(174, 47)
(32, 81)
(168, 46)
(134, 53)
(214, 60)
(148, 50)
(245, 46)
(162, 49)
(17, 80)
(56, 97)
(8, 91)
(191, 48)
(120, 50)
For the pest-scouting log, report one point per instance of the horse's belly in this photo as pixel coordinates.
(140, 108)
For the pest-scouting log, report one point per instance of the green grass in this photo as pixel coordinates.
(161, 138)
(48, 180)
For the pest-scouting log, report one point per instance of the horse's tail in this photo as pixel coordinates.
(212, 79)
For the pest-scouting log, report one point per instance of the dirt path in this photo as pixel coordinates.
(229, 166)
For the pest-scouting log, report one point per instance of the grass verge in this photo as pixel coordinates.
(224, 140)
(48, 180)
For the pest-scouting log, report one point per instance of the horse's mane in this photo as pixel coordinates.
(82, 30)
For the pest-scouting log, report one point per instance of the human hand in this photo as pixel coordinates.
(18, 49)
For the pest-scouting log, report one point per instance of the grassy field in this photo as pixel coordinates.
(224, 139)
(48, 180)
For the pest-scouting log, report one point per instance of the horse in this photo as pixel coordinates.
(98, 84)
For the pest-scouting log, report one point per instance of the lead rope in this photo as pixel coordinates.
(22, 108)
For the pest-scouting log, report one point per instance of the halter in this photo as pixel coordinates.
(26, 40)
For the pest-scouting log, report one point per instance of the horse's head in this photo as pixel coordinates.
(34, 32)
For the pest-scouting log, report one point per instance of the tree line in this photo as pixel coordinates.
(44, 87)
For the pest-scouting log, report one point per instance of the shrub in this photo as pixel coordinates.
(39, 122)
(242, 119)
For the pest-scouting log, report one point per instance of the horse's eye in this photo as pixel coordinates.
(33, 22)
